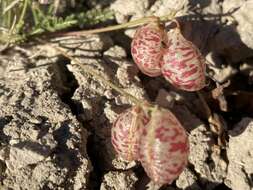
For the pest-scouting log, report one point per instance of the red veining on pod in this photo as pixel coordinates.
(183, 65)
(126, 133)
(164, 147)
(146, 48)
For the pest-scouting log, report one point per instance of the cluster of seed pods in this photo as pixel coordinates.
(155, 138)
(156, 52)
(151, 135)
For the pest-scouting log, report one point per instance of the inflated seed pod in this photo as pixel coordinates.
(183, 65)
(164, 147)
(126, 133)
(146, 48)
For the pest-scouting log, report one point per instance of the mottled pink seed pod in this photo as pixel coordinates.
(146, 48)
(164, 147)
(126, 133)
(183, 66)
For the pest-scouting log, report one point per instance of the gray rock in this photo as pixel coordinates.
(124, 9)
(234, 40)
(119, 181)
(200, 141)
(44, 174)
(115, 53)
(127, 73)
(24, 154)
(240, 156)
(45, 145)
(187, 180)
(244, 19)
(201, 148)
(161, 8)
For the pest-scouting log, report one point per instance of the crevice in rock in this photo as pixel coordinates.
(222, 186)
(96, 174)
(224, 155)
(151, 3)
(66, 89)
(2, 171)
(192, 169)
(121, 39)
(142, 178)
(152, 85)
(4, 121)
(248, 177)
(68, 82)
(96, 148)
(203, 182)
(61, 160)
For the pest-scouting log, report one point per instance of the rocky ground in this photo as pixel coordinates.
(55, 120)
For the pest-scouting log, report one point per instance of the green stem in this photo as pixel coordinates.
(100, 30)
(111, 28)
(22, 16)
(9, 16)
(120, 26)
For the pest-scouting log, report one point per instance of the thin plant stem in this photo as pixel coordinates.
(96, 75)
(86, 32)
(111, 28)
(22, 15)
(10, 6)
(120, 26)
(9, 15)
